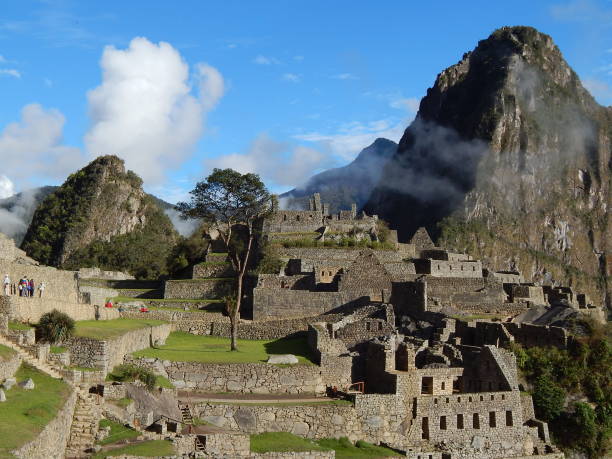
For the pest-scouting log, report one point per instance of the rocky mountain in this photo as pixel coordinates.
(342, 186)
(16, 211)
(100, 216)
(509, 159)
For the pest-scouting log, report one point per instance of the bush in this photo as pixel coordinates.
(55, 327)
(548, 398)
(128, 373)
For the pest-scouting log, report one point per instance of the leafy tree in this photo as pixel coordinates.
(548, 398)
(55, 326)
(226, 200)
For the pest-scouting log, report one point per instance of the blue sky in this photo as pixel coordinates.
(280, 88)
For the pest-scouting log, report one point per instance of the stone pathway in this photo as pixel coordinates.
(187, 398)
(87, 412)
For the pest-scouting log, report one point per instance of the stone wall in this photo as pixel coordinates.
(460, 292)
(295, 455)
(59, 285)
(9, 366)
(212, 269)
(443, 268)
(496, 333)
(97, 295)
(215, 445)
(31, 309)
(105, 355)
(51, 442)
(257, 378)
(198, 288)
(97, 273)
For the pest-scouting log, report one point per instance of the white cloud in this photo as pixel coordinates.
(277, 162)
(34, 146)
(599, 89)
(7, 189)
(11, 72)
(344, 76)
(264, 60)
(291, 77)
(145, 109)
(410, 104)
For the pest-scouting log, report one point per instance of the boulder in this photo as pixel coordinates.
(8, 383)
(2, 396)
(283, 359)
(28, 384)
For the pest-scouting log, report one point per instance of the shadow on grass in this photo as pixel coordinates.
(295, 344)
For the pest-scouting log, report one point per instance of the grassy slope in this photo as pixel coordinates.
(118, 432)
(6, 352)
(27, 412)
(153, 448)
(283, 441)
(184, 347)
(108, 329)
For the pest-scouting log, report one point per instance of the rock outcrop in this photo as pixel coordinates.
(509, 159)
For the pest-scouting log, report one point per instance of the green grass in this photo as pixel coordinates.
(317, 403)
(346, 450)
(122, 402)
(181, 346)
(200, 279)
(58, 349)
(162, 381)
(152, 448)
(77, 368)
(118, 432)
(282, 442)
(27, 412)
(6, 352)
(213, 263)
(18, 326)
(217, 254)
(285, 442)
(108, 329)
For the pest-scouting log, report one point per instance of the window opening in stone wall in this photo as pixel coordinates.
(425, 428)
(427, 385)
(442, 422)
(503, 395)
(460, 421)
(368, 326)
(442, 384)
(492, 420)
(473, 268)
(492, 397)
(446, 456)
(476, 421)
(380, 325)
(285, 217)
(297, 218)
(509, 422)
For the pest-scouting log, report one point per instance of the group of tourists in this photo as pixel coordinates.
(25, 287)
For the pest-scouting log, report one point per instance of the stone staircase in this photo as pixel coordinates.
(87, 415)
(186, 414)
(87, 412)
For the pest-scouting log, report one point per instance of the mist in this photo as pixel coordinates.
(184, 227)
(17, 214)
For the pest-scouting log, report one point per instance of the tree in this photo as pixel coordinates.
(548, 398)
(225, 200)
(55, 326)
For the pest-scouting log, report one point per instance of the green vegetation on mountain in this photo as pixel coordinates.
(572, 390)
(101, 217)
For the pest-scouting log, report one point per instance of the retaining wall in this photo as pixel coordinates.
(198, 288)
(9, 366)
(59, 284)
(257, 378)
(31, 309)
(51, 442)
(105, 355)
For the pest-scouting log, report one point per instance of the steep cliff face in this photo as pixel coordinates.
(509, 158)
(342, 186)
(97, 204)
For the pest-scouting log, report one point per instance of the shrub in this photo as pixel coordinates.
(54, 327)
(127, 373)
(548, 398)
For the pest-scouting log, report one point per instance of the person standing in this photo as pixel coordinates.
(31, 288)
(41, 289)
(7, 285)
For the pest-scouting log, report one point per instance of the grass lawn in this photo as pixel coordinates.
(58, 349)
(346, 450)
(122, 402)
(108, 329)
(283, 442)
(184, 347)
(118, 432)
(27, 412)
(6, 352)
(152, 448)
(18, 326)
